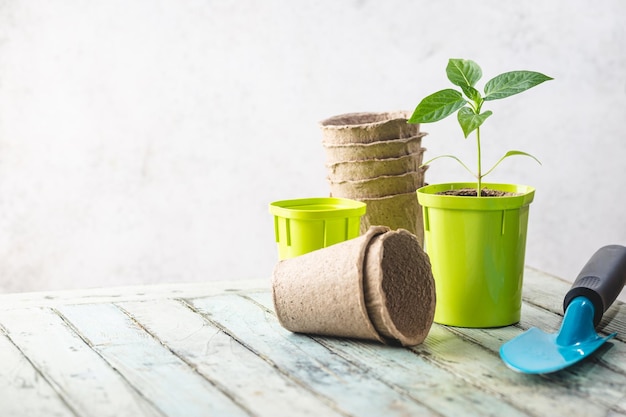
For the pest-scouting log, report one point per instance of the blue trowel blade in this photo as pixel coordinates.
(537, 352)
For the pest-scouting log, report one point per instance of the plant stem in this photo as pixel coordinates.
(479, 174)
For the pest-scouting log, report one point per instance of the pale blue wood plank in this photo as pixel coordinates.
(79, 375)
(484, 369)
(250, 380)
(487, 373)
(603, 385)
(162, 377)
(350, 388)
(417, 376)
(23, 390)
(128, 293)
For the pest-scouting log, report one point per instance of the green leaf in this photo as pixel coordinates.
(472, 93)
(463, 72)
(514, 82)
(470, 121)
(437, 106)
(510, 153)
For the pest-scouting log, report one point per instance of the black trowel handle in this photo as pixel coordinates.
(601, 280)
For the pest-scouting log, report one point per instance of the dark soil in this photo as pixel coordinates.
(471, 192)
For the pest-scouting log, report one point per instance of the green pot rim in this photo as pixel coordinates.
(428, 197)
(317, 208)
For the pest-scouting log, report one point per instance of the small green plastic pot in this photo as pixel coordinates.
(476, 247)
(308, 224)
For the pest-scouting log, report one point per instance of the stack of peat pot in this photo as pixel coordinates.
(375, 158)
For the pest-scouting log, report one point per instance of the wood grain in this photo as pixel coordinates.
(218, 350)
(78, 375)
(346, 385)
(253, 382)
(415, 375)
(161, 377)
(23, 389)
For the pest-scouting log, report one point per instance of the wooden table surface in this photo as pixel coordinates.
(216, 349)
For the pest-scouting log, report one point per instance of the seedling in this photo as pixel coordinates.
(465, 73)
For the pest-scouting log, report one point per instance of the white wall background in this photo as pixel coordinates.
(141, 141)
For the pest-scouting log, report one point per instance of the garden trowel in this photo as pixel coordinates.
(594, 290)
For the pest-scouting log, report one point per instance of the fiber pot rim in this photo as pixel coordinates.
(361, 145)
(428, 197)
(364, 119)
(317, 208)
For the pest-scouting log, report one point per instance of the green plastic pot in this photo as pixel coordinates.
(476, 247)
(307, 224)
